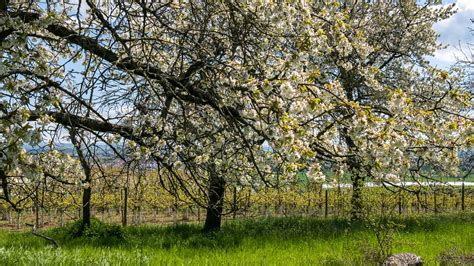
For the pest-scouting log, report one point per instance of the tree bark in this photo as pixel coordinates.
(86, 205)
(87, 191)
(356, 200)
(215, 203)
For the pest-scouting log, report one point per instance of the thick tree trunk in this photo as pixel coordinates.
(215, 203)
(86, 206)
(350, 82)
(86, 195)
(356, 200)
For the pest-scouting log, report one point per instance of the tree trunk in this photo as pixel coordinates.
(356, 200)
(86, 196)
(215, 203)
(86, 206)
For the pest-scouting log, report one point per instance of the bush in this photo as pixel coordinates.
(97, 231)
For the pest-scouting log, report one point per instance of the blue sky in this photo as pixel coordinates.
(455, 33)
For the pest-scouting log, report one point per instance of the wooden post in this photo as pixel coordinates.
(36, 208)
(139, 215)
(18, 217)
(61, 217)
(248, 201)
(338, 203)
(234, 203)
(125, 206)
(186, 214)
(426, 201)
(418, 206)
(463, 207)
(320, 198)
(42, 216)
(342, 204)
(399, 203)
(175, 214)
(199, 213)
(9, 215)
(444, 199)
(326, 204)
(382, 206)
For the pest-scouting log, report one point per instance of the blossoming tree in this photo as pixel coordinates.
(202, 88)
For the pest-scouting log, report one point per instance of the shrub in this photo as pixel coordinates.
(96, 231)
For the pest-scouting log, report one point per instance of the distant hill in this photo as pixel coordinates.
(102, 149)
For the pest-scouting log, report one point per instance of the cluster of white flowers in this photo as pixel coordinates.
(315, 174)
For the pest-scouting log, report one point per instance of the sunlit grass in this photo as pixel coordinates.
(272, 241)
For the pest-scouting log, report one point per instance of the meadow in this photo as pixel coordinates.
(438, 239)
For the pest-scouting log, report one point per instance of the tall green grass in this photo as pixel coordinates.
(272, 241)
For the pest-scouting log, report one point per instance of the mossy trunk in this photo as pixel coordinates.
(356, 200)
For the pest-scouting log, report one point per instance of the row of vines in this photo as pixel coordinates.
(142, 199)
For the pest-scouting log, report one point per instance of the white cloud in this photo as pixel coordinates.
(465, 5)
(455, 33)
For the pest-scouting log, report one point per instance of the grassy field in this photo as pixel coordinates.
(275, 241)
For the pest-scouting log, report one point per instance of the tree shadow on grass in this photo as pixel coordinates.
(232, 234)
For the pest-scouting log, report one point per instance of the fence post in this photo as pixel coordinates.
(444, 199)
(462, 196)
(399, 203)
(199, 213)
(36, 208)
(382, 206)
(338, 203)
(426, 201)
(61, 217)
(18, 218)
(125, 206)
(234, 203)
(326, 204)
